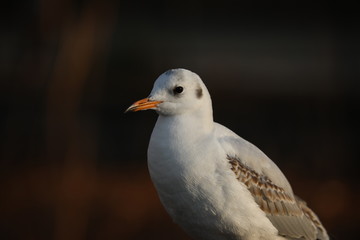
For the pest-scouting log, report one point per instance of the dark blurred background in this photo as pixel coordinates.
(283, 75)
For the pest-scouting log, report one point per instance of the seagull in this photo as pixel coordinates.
(213, 183)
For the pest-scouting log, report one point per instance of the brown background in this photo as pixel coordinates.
(283, 75)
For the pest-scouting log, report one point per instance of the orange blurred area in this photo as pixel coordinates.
(73, 166)
(51, 203)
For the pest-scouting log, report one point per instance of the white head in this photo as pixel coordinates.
(177, 92)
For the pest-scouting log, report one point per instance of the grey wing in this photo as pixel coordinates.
(290, 215)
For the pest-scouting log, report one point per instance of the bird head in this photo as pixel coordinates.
(177, 91)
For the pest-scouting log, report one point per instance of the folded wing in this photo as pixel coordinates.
(270, 189)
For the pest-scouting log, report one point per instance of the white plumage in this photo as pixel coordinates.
(212, 182)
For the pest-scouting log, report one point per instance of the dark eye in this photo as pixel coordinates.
(178, 89)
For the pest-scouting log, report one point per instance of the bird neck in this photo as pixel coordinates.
(196, 123)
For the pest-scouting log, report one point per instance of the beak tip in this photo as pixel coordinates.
(129, 109)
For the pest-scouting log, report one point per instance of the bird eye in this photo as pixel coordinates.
(178, 90)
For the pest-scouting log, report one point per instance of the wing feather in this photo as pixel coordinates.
(289, 214)
(270, 188)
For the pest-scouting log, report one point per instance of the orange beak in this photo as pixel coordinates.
(143, 104)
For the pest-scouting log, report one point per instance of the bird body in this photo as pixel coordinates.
(202, 196)
(213, 183)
